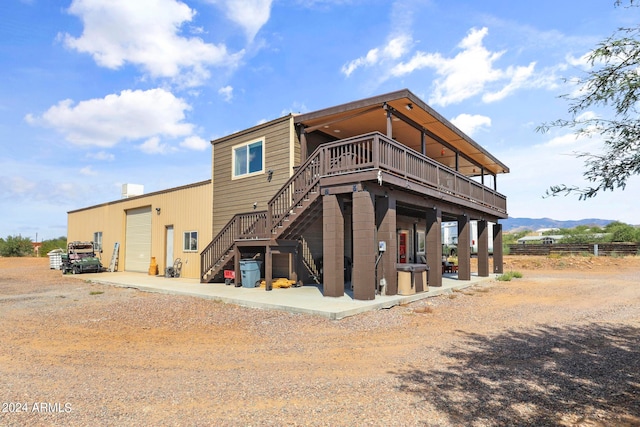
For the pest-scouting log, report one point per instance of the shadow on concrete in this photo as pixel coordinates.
(548, 376)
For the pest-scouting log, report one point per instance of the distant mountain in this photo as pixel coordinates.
(520, 224)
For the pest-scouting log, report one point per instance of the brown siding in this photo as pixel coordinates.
(186, 208)
(232, 196)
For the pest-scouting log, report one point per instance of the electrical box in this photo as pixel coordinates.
(382, 246)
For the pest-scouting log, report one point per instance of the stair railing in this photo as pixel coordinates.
(241, 226)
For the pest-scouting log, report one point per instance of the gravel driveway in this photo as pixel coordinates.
(560, 346)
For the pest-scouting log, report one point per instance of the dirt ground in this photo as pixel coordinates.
(559, 346)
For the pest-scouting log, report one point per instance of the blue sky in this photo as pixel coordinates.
(98, 93)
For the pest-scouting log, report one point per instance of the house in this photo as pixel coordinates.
(341, 196)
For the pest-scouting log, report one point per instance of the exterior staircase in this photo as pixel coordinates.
(289, 212)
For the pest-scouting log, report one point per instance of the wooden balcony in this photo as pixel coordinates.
(376, 152)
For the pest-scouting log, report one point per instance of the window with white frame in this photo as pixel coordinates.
(248, 158)
(97, 241)
(190, 241)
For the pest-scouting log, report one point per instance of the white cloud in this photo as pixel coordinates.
(251, 15)
(146, 33)
(583, 142)
(153, 146)
(395, 48)
(88, 171)
(468, 73)
(519, 76)
(226, 92)
(471, 72)
(131, 115)
(581, 62)
(101, 155)
(469, 124)
(11, 186)
(195, 143)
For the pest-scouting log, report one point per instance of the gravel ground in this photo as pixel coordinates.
(559, 346)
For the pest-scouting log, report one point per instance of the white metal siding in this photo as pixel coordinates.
(138, 240)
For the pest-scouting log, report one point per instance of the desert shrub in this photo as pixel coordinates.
(621, 232)
(509, 275)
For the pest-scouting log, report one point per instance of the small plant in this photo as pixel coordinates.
(506, 277)
(96, 292)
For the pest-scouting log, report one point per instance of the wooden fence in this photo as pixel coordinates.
(600, 249)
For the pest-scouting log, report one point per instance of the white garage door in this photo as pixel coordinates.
(138, 240)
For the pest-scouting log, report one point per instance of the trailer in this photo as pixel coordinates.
(450, 237)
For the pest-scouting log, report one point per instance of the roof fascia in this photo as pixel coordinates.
(252, 129)
(142, 196)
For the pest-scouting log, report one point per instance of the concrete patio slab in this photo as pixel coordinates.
(307, 299)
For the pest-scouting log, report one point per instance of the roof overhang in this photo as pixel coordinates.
(411, 119)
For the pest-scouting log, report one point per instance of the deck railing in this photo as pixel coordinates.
(375, 151)
(241, 226)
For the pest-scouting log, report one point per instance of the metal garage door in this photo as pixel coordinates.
(138, 240)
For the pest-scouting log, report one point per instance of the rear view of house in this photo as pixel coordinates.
(327, 190)
(343, 196)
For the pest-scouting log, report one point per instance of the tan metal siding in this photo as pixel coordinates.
(232, 196)
(187, 208)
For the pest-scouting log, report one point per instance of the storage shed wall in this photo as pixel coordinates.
(185, 208)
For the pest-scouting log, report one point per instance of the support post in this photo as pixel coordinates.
(386, 224)
(498, 266)
(364, 246)
(293, 264)
(464, 248)
(434, 246)
(389, 124)
(236, 265)
(483, 248)
(332, 247)
(303, 145)
(268, 268)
